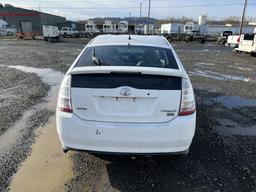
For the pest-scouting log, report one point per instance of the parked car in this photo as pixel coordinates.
(247, 44)
(51, 33)
(233, 41)
(68, 32)
(224, 37)
(127, 94)
(8, 31)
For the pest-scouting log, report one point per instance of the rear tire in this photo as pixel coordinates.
(253, 54)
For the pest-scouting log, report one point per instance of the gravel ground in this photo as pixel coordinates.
(18, 92)
(217, 162)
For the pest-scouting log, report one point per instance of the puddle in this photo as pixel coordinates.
(49, 76)
(229, 128)
(235, 101)
(218, 76)
(47, 168)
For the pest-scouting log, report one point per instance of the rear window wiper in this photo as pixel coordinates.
(95, 60)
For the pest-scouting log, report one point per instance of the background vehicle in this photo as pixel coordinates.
(224, 37)
(195, 37)
(170, 28)
(123, 27)
(247, 44)
(6, 29)
(127, 94)
(51, 32)
(68, 32)
(233, 41)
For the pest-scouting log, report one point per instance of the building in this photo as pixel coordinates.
(26, 20)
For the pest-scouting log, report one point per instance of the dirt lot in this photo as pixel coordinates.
(222, 155)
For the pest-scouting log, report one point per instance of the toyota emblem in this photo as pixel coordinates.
(125, 91)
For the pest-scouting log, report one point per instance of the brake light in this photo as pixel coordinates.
(238, 39)
(64, 98)
(187, 106)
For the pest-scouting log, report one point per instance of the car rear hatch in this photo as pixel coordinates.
(133, 94)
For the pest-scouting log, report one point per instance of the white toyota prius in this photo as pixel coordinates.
(127, 95)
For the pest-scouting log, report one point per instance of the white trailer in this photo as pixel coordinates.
(91, 27)
(149, 29)
(247, 44)
(170, 28)
(190, 27)
(123, 27)
(51, 32)
(108, 27)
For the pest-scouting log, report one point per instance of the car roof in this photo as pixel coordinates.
(139, 40)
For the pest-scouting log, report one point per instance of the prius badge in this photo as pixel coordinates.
(125, 91)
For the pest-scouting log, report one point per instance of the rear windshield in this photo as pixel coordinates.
(227, 33)
(249, 37)
(128, 56)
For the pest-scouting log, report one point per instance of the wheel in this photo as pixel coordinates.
(253, 54)
(46, 39)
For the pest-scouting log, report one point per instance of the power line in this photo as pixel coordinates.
(152, 7)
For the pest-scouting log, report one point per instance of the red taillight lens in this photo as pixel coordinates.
(64, 99)
(187, 99)
(238, 39)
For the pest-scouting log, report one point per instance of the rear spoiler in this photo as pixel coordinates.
(125, 69)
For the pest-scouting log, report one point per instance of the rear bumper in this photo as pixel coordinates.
(132, 138)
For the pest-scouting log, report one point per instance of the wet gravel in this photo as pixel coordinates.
(11, 159)
(18, 92)
(215, 163)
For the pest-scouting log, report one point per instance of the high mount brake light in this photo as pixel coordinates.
(187, 99)
(64, 98)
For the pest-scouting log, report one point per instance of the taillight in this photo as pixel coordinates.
(187, 106)
(238, 39)
(64, 98)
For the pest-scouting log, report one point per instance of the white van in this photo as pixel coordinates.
(247, 44)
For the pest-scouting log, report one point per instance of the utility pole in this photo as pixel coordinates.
(140, 17)
(149, 4)
(243, 17)
(129, 20)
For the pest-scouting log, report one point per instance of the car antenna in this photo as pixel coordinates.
(129, 37)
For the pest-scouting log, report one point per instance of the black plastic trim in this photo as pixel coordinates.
(135, 80)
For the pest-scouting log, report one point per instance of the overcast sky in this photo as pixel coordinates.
(161, 9)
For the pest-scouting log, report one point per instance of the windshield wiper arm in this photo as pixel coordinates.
(95, 60)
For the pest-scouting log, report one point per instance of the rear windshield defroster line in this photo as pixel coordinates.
(114, 80)
(121, 55)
